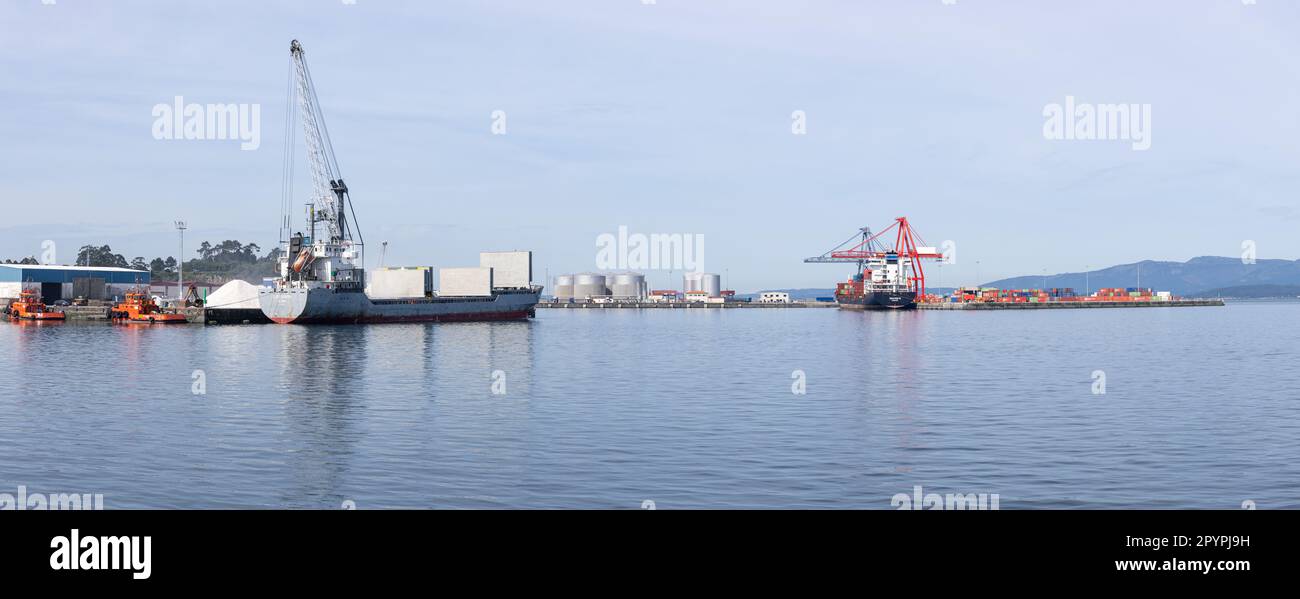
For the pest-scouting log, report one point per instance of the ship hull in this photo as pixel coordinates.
(331, 306)
(880, 300)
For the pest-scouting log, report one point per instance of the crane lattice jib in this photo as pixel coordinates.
(327, 187)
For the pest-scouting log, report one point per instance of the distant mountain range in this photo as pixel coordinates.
(1254, 292)
(1205, 276)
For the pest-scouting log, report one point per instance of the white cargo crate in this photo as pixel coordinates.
(462, 282)
(400, 283)
(509, 269)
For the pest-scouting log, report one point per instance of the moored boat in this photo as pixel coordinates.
(139, 307)
(29, 306)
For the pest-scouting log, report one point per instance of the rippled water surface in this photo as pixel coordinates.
(686, 408)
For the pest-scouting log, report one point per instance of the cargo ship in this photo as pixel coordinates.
(322, 279)
(886, 278)
(880, 286)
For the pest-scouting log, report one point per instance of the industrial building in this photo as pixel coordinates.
(57, 282)
(664, 295)
(167, 288)
(774, 297)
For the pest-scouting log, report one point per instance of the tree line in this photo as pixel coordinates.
(220, 261)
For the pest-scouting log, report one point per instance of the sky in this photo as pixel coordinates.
(675, 116)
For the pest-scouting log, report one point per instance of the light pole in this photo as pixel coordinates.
(180, 263)
(1087, 278)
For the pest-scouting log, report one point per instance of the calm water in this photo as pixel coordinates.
(684, 408)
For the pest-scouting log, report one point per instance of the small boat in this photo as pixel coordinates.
(140, 307)
(30, 307)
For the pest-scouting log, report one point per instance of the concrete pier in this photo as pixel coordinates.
(85, 312)
(1068, 305)
(677, 305)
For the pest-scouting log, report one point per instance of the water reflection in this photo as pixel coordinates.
(322, 380)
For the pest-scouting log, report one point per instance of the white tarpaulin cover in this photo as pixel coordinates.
(235, 295)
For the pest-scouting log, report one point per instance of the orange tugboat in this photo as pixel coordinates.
(30, 307)
(139, 307)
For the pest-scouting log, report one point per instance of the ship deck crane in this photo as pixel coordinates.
(330, 205)
(908, 246)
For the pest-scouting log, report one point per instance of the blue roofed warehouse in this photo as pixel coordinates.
(57, 282)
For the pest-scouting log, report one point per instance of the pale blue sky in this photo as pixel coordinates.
(669, 118)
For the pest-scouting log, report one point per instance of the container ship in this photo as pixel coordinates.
(322, 279)
(886, 278)
(879, 286)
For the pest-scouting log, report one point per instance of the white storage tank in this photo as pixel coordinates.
(628, 285)
(711, 284)
(589, 284)
(564, 287)
(691, 281)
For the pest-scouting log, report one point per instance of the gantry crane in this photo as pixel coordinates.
(869, 246)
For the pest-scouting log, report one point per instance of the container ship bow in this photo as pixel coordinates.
(885, 278)
(322, 279)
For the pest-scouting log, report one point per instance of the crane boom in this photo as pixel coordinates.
(327, 255)
(330, 199)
